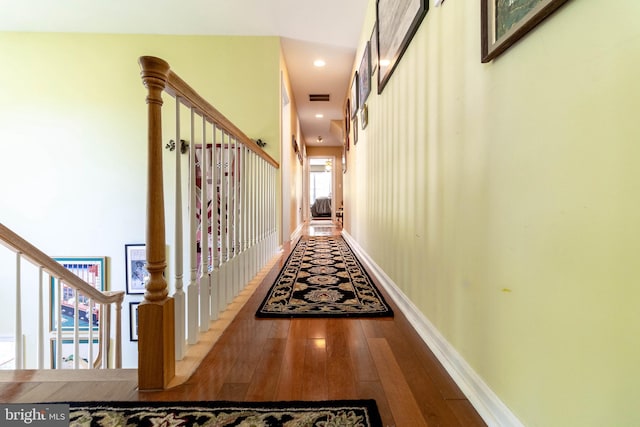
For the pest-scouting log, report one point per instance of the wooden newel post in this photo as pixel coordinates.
(156, 324)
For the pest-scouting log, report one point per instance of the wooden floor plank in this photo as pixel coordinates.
(405, 409)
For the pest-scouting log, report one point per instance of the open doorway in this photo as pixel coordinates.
(321, 188)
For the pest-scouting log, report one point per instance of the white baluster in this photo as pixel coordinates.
(192, 289)
(18, 330)
(178, 296)
(58, 305)
(215, 277)
(205, 283)
(76, 329)
(40, 343)
(223, 217)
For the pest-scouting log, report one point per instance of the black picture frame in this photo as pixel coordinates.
(135, 267)
(503, 25)
(354, 94)
(373, 48)
(397, 23)
(347, 124)
(364, 76)
(133, 321)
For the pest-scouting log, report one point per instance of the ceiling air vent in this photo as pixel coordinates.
(319, 97)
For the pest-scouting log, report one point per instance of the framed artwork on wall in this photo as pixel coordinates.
(355, 129)
(133, 321)
(397, 23)
(137, 274)
(373, 48)
(364, 77)
(504, 22)
(344, 160)
(91, 270)
(347, 124)
(364, 116)
(354, 94)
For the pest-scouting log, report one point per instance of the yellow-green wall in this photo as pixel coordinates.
(73, 134)
(502, 199)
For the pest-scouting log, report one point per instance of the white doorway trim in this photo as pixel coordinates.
(333, 185)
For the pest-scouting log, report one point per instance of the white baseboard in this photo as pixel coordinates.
(492, 410)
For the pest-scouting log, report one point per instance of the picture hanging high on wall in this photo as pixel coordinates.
(354, 94)
(398, 21)
(364, 76)
(504, 22)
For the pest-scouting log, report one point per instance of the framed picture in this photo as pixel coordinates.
(355, 129)
(504, 22)
(364, 77)
(67, 353)
(92, 271)
(133, 321)
(344, 159)
(137, 274)
(354, 94)
(364, 116)
(347, 124)
(398, 21)
(373, 49)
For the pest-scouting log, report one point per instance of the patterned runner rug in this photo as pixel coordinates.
(323, 278)
(345, 413)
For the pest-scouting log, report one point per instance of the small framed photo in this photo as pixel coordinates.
(364, 76)
(68, 357)
(347, 124)
(91, 270)
(137, 274)
(354, 94)
(133, 321)
(364, 116)
(355, 129)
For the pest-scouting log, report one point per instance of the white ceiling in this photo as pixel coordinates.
(326, 29)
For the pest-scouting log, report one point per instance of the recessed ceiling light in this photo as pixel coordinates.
(385, 62)
(319, 116)
(319, 63)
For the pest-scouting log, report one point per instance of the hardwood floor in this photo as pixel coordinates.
(288, 359)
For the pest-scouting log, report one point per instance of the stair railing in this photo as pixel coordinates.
(53, 280)
(231, 231)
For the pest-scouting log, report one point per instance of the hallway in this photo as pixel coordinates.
(294, 359)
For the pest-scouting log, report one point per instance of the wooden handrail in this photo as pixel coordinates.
(177, 87)
(13, 241)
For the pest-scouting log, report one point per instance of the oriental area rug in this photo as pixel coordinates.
(323, 278)
(344, 413)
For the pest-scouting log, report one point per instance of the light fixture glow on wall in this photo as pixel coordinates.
(319, 63)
